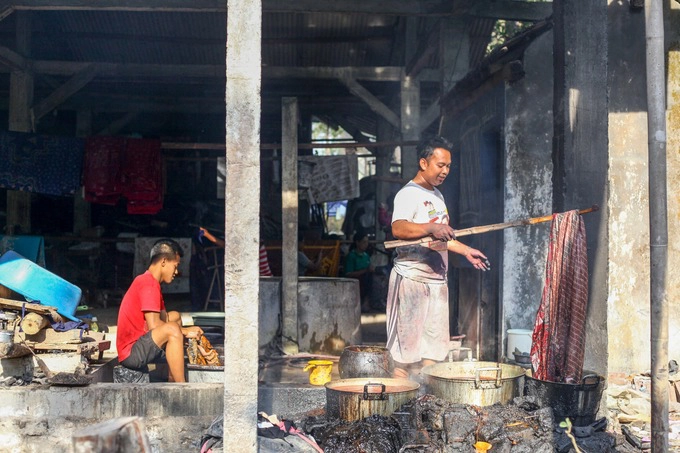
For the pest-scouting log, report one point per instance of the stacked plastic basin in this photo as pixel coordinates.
(38, 285)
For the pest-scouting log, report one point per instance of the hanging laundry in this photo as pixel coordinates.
(127, 167)
(142, 176)
(558, 342)
(42, 164)
(102, 169)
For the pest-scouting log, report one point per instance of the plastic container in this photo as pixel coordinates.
(520, 339)
(319, 371)
(38, 285)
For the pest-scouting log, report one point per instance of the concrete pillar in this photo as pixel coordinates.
(82, 211)
(20, 102)
(410, 123)
(673, 132)
(580, 146)
(289, 206)
(383, 160)
(528, 190)
(242, 226)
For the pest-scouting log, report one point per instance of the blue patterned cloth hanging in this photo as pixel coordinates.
(43, 164)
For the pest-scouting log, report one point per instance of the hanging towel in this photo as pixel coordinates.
(558, 341)
(42, 164)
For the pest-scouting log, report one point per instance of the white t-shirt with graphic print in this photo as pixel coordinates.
(427, 262)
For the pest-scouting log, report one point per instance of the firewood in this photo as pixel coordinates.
(33, 323)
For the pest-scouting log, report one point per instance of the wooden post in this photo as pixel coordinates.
(82, 211)
(242, 222)
(20, 100)
(289, 205)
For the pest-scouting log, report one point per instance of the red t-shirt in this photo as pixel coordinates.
(143, 295)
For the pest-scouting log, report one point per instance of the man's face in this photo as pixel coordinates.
(170, 270)
(435, 169)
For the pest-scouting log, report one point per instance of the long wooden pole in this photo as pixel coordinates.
(484, 229)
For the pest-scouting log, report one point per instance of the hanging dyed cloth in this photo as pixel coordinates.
(40, 163)
(558, 340)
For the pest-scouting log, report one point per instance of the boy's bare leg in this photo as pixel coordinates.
(170, 336)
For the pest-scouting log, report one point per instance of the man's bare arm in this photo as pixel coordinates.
(403, 229)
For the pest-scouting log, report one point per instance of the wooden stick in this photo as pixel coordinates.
(484, 229)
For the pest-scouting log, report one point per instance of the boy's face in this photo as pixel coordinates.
(170, 269)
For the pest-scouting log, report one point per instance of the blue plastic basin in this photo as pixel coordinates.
(38, 285)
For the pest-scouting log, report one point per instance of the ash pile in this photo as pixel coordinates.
(432, 425)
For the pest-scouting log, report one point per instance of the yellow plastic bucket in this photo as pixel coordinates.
(319, 371)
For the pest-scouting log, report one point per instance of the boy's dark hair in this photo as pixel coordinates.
(165, 248)
(426, 147)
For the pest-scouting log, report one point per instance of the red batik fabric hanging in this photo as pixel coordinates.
(558, 341)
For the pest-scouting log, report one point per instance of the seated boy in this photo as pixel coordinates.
(146, 332)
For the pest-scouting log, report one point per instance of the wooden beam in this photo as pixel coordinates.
(426, 48)
(431, 114)
(5, 11)
(172, 71)
(511, 10)
(501, 9)
(12, 60)
(392, 7)
(373, 102)
(115, 126)
(73, 85)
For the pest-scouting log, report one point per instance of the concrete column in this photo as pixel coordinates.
(410, 123)
(82, 212)
(20, 102)
(289, 206)
(242, 226)
(673, 133)
(528, 191)
(410, 104)
(580, 147)
(383, 160)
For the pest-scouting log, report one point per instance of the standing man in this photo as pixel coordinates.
(418, 296)
(146, 331)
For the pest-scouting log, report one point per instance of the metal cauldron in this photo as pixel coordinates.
(365, 361)
(355, 399)
(475, 383)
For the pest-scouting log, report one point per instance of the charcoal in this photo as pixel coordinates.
(545, 419)
(491, 428)
(372, 434)
(459, 426)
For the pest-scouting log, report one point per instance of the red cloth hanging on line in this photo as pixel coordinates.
(558, 341)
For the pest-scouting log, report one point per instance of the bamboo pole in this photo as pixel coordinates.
(484, 229)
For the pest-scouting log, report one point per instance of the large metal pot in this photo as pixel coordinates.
(365, 361)
(354, 399)
(476, 383)
(580, 402)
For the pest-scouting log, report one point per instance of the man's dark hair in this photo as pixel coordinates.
(165, 248)
(426, 147)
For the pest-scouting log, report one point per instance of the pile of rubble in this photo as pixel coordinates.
(429, 424)
(37, 348)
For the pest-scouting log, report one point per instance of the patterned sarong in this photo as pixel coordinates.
(558, 341)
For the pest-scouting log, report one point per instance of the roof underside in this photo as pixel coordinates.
(191, 104)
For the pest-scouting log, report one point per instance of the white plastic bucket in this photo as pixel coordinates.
(520, 339)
